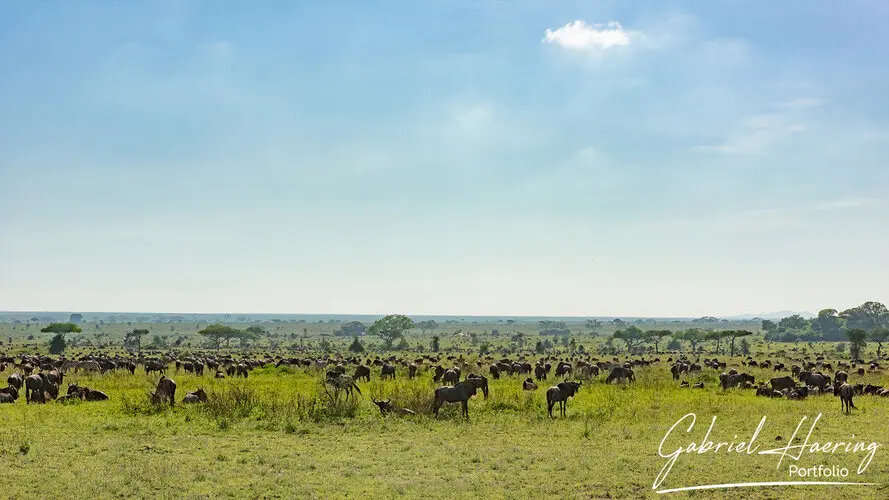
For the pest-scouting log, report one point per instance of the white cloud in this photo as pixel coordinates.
(579, 35)
(755, 134)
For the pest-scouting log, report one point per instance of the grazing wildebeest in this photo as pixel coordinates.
(87, 366)
(451, 376)
(387, 371)
(459, 393)
(540, 372)
(813, 379)
(494, 371)
(155, 366)
(242, 369)
(166, 389)
(411, 370)
(781, 383)
(560, 394)
(844, 391)
(563, 369)
(480, 382)
(529, 385)
(198, 396)
(386, 406)
(362, 372)
(16, 380)
(619, 374)
(342, 382)
(736, 380)
(10, 391)
(38, 386)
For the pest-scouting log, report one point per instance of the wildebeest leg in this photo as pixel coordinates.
(465, 404)
(549, 407)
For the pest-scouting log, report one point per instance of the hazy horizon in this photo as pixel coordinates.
(545, 158)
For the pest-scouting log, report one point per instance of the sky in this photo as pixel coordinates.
(579, 158)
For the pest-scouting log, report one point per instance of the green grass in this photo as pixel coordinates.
(275, 435)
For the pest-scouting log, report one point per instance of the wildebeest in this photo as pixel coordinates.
(9, 394)
(735, 380)
(451, 376)
(219, 374)
(781, 383)
(529, 384)
(362, 372)
(480, 382)
(198, 396)
(459, 393)
(619, 374)
(342, 382)
(85, 393)
(540, 372)
(560, 394)
(166, 389)
(155, 366)
(411, 370)
(16, 380)
(39, 388)
(844, 391)
(494, 371)
(386, 406)
(813, 379)
(388, 371)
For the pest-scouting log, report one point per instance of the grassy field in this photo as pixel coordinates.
(274, 436)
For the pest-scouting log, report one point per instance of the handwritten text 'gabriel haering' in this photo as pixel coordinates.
(790, 450)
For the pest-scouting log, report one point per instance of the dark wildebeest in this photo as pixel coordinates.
(451, 376)
(411, 370)
(844, 391)
(563, 369)
(480, 381)
(540, 372)
(736, 380)
(438, 373)
(840, 377)
(155, 366)
(11, 392)
(198, 396)
(386, 406)
(131, 367)
(342, 382)
(219, 374)
(85, 393)
(813, 379)
(619, 374)
(494, 371)
(388, 371)
(242, 369)
(560, 394)
(362, 372)
(781, 383)
(529, 384)
(36, 387)
(16, 380)
(459, 393)
(166, 389)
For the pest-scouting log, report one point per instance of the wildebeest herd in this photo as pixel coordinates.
(41, 376)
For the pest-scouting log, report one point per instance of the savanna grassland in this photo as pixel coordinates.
(277, 434)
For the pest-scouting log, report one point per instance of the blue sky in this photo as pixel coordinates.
(461, 157)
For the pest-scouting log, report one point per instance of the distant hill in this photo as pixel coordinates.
(772, 315)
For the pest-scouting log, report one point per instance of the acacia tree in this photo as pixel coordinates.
(391, 328)
(857, 341)
(58, 343)
(135, 337)
(655, 336)
(217, 333)
(427, 325)
(879, 336)
(693, 336)
(631, 336)
(734, 334)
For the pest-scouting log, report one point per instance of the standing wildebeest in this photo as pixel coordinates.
(16, 380)
(388, 371)
(459, 393)
(155, 366)
(560, 394)
(451, 376)
(166, 389)
(411, 370)
(242, 369)
(813, 379)
(563, 369)
(480, 382)
(494, 371)
(437, 373)
(38, 387)
(620, 373)
(844, 391)
(840, 377)
(342, 382)
(781, 383)
(540, 372)
(362, 372)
